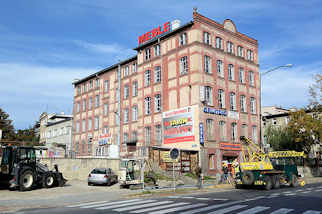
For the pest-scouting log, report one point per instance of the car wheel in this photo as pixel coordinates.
(48, 180)
(26, 180)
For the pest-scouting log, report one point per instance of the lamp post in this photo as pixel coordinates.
(260, 94)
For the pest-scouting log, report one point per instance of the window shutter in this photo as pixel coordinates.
(202, 93)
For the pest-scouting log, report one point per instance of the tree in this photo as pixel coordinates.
(8, 131)
(315, 91)
(306, 130)
(279, 138)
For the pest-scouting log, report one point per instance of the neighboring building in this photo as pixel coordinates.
(279, 117)
(195, 87)
(56, 129)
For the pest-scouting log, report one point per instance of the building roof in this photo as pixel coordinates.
(58, 122)
(105, 70)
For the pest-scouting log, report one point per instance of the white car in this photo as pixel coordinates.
(102, 176)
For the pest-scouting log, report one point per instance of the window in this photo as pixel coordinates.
(206, 38)
(83, 146)
(89, 148)
(90, 104)
(231, 72)
(134, 113)
(91, 84)
(254, 134)
(207, 64)
(105, 130)
(251, 78)
(147, 54)
(106, 107)
(126, 91)
(211, 161)
(243, 103)
(125, 139)
(97, 101)
(250, 55)
(183, 39)
(208, 95)
(147, 78)
(135, 89)
(184, 65)
(220, 68)
(233, 132)
(84, 105)
(49, 134)
(222, 130)
(240, 51)
(157, 103)
(90, 123)
(157, 50)
(134, 67)
(147, 103)
(97, 83)
(126, 115)
(210, 129)
(77, 127)
(78, 90)
(77, 147)
(241, 75)
(147, 136)
(218, 42)
(106, 85)
(158, 134)
(252, 105)
(232, 100)
(134, 136)
(84, 88)
(77, 107)
(96, 125)
(244, 130)
(126, 71)
(221, 98)
(83, 126)
(157, 74)
(230, 47)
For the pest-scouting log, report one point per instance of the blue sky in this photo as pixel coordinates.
(45, 44)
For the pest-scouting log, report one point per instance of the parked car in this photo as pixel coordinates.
(102, 176)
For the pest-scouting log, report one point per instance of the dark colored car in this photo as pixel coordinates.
(102, 176)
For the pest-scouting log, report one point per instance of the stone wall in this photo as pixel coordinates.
(79, 168)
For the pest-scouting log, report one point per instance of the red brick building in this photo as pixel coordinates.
(195, 87)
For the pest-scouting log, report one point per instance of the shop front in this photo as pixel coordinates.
(229, 153)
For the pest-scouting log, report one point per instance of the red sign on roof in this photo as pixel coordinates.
(154, 33)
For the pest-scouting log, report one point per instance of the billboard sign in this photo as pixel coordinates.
(201, 139)
(178, 125)
(105, 139)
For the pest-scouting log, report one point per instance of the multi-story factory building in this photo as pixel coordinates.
(193, 86)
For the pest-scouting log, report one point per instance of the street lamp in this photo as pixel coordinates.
(260, 103)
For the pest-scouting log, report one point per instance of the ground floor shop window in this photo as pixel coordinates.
(211, 161)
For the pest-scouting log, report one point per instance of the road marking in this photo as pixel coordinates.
(282, 211)
(124, 205)
(312, 212)
(229, 209)
(178, 209)
(188, 197)
(318, 190)
(291, 194)
(300, 190)
(104, 204)
(211, 207)
(306, 192)
(254, 210)
(142, 206)
(158, 207)
(84, 204)
(287, 192)
(253, 199)
(220, 199)
(203, 199)
(309, 188)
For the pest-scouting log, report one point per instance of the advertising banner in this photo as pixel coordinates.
(105, 139)
(179, 125)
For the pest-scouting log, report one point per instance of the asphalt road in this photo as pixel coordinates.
(307, 200)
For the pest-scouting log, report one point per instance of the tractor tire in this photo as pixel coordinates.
(26, 180)
(294, 181)
(248, 178)
(48, 180)
(268, 182)
(276, 182)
